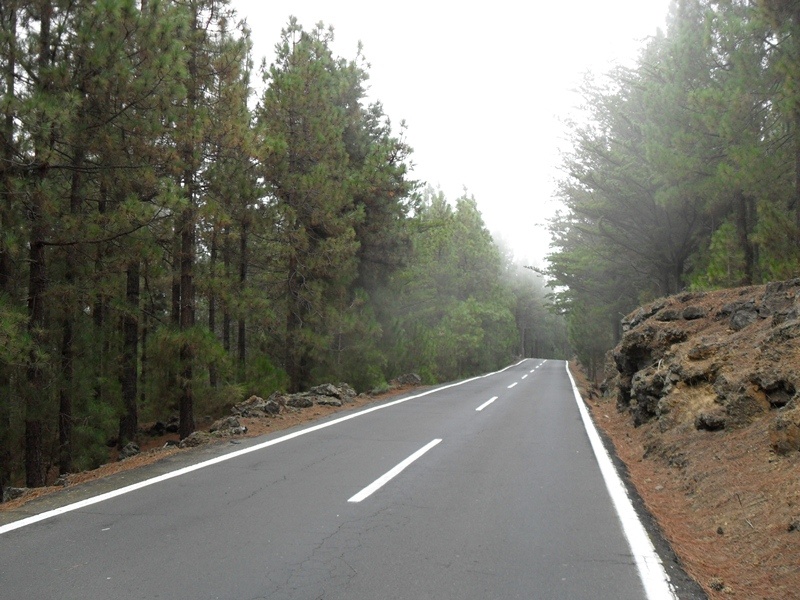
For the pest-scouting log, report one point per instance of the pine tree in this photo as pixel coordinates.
(308, 178)
(9, 219)
(784, 16)
(214, 58)
(453, 309)
(45, 122)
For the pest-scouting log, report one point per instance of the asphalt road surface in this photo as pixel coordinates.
(484, 489)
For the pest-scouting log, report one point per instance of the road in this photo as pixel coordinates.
(482, 489)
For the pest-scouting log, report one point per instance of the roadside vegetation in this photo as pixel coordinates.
(173, 241)
(683, 170)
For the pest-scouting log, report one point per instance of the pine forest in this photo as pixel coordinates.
(172, 240)
(683, 169)
(180, 229)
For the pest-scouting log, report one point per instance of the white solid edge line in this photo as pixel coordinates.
(651, 571)
(391, 474)
(148, 482)
(503, 369)
(485, 404)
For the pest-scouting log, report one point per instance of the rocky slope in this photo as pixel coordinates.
(707, 420)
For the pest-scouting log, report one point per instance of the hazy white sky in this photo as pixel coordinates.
(482, 86)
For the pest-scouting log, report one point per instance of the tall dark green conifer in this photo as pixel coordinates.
(308, 176)
(9, 219)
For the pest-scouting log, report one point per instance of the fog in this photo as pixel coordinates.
(483, 89)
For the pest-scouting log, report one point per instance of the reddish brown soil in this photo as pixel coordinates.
(723, 499)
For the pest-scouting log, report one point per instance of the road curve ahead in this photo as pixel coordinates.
(482, 489)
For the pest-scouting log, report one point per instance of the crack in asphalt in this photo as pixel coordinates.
(328, 563)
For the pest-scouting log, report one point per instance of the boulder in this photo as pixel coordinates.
(743, 318)
(329, 394)
(701, 351)
(784, 432)
(158, 429)
(691, 313)
(326, 389)
(409, 379)
(198, 438)
(130, 449)
(270, 408)
(668, 314)
(299, 401)
(12, 493)
(173, 425)
(641, 315)
(226, 427)
(326, 394)
(779, 389)
(230, 431)
(348, 393)
(729, 308)
(255, 406)
(781, 301)
(327, 401)
(224, 424)
(710, 421)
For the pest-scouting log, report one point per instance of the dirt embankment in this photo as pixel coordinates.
(701, 403)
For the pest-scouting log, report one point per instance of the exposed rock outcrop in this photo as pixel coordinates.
(714, 360)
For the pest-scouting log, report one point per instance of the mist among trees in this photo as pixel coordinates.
(684, 171)
(172, 242)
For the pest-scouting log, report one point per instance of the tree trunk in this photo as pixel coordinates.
(5, 430)
(10, 29)
(65, 417)
(796, 199)
(35, 401)
(187, 233)
(143, 362)
(226, 314)
(187, 424)
(176, 281)
(65, 398)
(10, 26)
(744, 219)
(293, 325)
(794, 17)
(129, 421)
(212, 305)
(35, 405)
(99, 311)
(242, 341)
